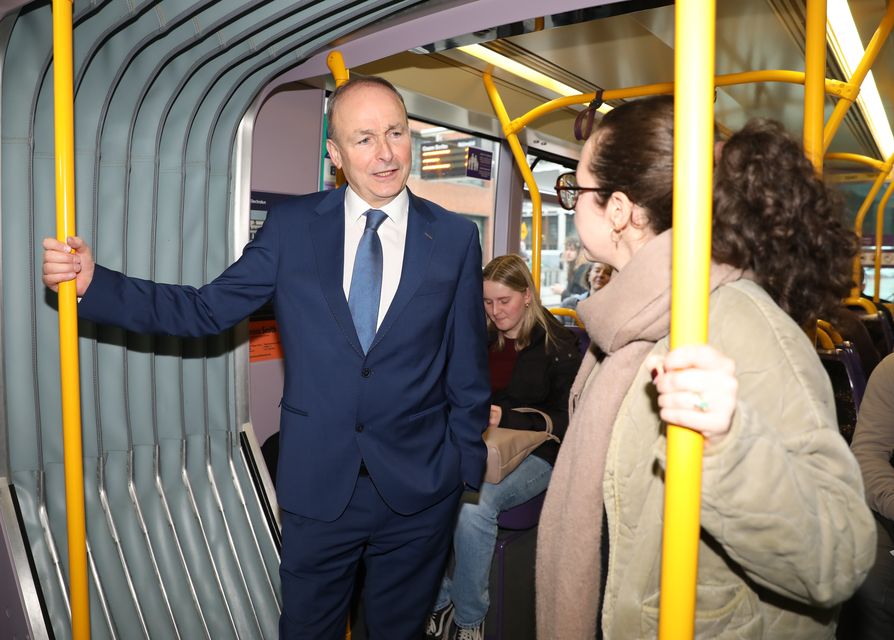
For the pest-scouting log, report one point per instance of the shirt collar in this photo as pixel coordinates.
(396, 210)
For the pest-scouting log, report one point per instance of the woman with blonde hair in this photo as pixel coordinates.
(533, 360)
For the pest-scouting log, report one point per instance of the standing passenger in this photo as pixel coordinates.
(533, 360)
(785, 533)
(869, 615)
(378, 296)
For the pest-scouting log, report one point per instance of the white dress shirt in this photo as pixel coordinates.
(392, 234)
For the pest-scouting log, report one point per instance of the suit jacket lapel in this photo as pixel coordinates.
(417, 255)
(328, 233)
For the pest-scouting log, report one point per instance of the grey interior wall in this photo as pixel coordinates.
(177, 542)
(286, 147)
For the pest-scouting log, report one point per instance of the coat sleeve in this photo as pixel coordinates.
(782, 493)
(144, 306)
(467, 379)
(873, 443)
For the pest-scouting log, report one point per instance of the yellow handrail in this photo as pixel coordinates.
(867, 305)
(856, 80)
(814, 77)
(884, 170)
(824, 340)
(522, 162)
(571, 313)
(830, 331)
(63, 105)
(693, 200)
(832, 87)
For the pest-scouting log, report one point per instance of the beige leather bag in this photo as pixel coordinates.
(506, 448)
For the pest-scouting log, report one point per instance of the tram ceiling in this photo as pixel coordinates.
(631, 43)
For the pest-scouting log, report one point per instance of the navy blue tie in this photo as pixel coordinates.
(366, 280)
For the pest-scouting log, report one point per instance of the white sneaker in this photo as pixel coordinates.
(468, 633)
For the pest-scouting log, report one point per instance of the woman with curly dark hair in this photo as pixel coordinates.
(785, 532)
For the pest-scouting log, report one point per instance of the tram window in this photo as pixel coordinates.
(444, 171)
(886, 288)
(557, 225)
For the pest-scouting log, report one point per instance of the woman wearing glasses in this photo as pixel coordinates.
(786, 535)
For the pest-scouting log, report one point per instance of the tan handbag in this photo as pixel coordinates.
(506, 448)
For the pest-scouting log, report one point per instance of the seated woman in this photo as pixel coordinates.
(533, 361)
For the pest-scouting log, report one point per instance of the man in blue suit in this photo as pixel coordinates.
(379, 299)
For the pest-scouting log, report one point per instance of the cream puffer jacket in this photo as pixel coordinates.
(786, 534)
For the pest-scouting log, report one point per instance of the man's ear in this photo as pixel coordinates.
(334, 153)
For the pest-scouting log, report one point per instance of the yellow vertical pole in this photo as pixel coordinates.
(521, 161)
(872, 50)
(879, 228)
(340, 74)
(815, 82)
(693, 169)
(861, 215)
(63, 90)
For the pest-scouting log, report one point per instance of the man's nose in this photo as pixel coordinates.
(385, 150)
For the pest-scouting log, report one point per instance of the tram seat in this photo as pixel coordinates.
(881, 331)
(848, 384)
(511, 614)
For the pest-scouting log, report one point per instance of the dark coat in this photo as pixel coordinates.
(541, 379)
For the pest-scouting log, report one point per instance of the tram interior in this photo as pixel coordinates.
(191, 119)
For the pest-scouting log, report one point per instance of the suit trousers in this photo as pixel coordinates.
(404, 557)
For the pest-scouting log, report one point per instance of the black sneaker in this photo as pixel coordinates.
(438, 623)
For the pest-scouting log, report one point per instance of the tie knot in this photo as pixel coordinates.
(375, 218)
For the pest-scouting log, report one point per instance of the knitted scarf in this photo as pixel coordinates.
(625, 319)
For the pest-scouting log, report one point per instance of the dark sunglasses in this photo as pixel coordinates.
(568, 190)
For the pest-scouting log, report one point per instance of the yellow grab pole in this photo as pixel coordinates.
(336, 64)
(63, 89)
(814, 82)
(693, 166)
(340, 74)
(869, 56)
(879, 228)
(884, 170)
(522, 161)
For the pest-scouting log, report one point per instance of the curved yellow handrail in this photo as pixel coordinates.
(829, 330)
(867, 305)
(884, 170)
(63, 106)
(832, 87)
(824, 340)
(571, 313)
(521, 161)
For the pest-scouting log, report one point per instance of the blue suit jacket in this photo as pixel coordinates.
(413, 408)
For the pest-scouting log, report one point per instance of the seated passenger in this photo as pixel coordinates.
(576, 267)
(533, 361)
(870, 614)
(598, 275)
(785, 534)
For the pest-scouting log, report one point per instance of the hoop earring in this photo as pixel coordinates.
(615, 236)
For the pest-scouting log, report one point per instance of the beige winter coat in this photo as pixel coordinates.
(786, 534)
